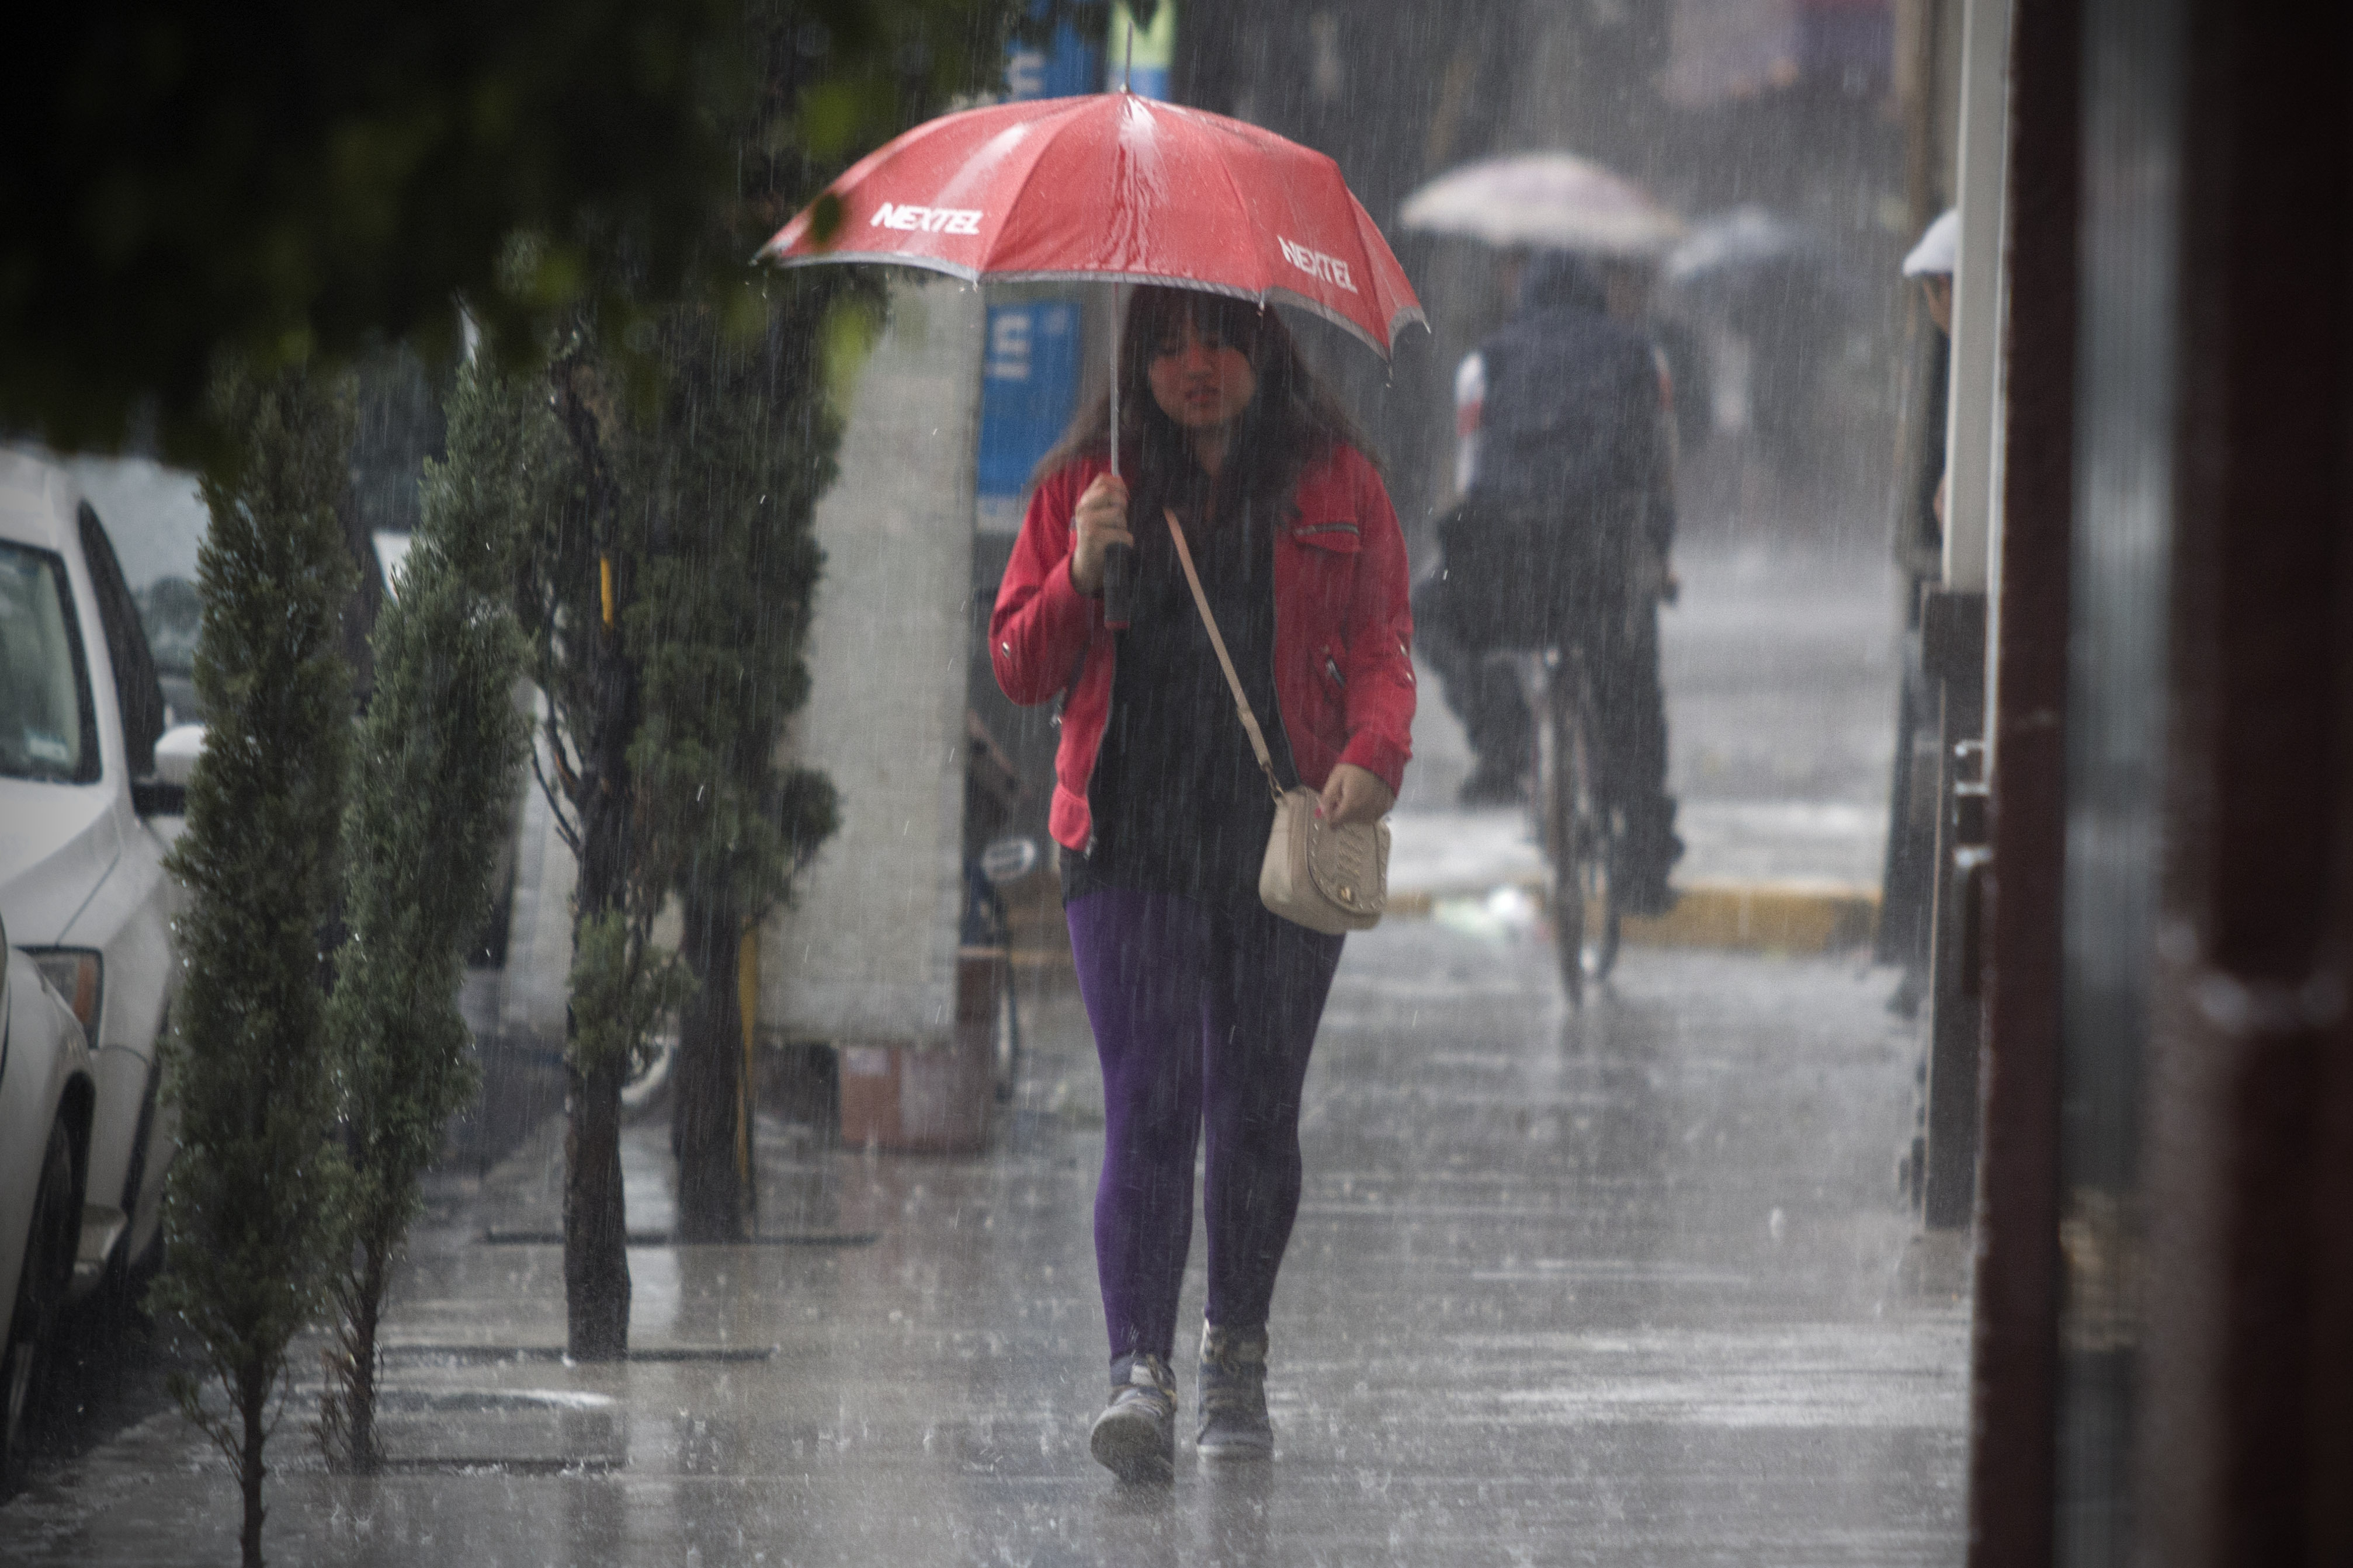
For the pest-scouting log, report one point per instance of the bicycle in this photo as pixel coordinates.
(1581, 836)
(988, 935)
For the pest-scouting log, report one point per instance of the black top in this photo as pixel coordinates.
(1179, 801)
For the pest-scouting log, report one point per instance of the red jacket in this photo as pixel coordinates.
(1342, 632)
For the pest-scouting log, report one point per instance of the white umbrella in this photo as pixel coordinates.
(1553, 200)
(1747, 238)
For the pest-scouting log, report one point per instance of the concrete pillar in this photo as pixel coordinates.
(1973, 434)
(867, 954)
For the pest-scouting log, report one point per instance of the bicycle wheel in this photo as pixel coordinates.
(1598, 836)
(1581, 837)
(1006, 1035)
(1560, 759)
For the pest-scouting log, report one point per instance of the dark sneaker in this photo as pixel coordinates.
(1135, 1436)
(1645, 898)
(1234, 1424)
(1647, 854)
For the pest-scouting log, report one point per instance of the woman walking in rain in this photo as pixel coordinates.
(1204, 1004)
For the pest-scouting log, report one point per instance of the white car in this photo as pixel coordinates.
(48, 1088)
(91, 788)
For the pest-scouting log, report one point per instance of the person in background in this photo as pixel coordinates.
(1565, 459)
(1204, 1004)
(1907, 880)
(1931, 261)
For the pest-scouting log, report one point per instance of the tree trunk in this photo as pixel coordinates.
(708, 1073)
(596, 1233)
(596, 1237)
(595, 1222)
(368, 1311)
(253, 1386)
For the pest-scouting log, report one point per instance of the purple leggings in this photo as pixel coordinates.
(1201, 1011)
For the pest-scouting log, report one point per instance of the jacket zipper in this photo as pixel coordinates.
(1280, 722)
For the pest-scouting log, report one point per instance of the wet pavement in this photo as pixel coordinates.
(1626, 1288)
(1780, 664)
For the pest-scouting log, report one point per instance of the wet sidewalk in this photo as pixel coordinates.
(1779, 666)
(1631, 1288)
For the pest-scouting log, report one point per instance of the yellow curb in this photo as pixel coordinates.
(1793, 917)
(1747, 917)
(1763, 917)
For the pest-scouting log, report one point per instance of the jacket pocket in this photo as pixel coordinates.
(1339, 536)
(1327, 698)
(1325, 552)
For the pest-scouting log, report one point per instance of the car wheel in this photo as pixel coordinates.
(40, 1295)
(123, 1271)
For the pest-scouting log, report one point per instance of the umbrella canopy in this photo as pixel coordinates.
(1758, 271)
(1551, 200)
(1121, 189)
(1745, 239)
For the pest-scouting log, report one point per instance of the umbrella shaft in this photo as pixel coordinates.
(1118, 325)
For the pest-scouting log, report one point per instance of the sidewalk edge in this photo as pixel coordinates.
(1747, 917)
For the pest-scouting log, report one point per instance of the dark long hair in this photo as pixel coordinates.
(1293, 418)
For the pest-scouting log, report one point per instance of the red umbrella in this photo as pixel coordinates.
(1116, 188)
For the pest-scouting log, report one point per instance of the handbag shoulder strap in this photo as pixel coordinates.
(1225, 659)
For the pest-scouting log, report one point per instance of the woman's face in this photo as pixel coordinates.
(1199, 380)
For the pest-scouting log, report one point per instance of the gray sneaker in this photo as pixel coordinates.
(1135, 1436)
(1234, 1424)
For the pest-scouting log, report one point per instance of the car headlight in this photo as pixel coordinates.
(79, 974)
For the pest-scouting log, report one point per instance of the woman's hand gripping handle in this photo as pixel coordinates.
(1102, 551)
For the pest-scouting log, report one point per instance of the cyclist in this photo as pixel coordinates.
(1566, 466)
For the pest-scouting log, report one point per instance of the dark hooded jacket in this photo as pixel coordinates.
(1571, 417)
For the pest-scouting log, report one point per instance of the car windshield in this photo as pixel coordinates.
(44, 683)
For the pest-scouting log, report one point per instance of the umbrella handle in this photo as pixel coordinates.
(1119, 560)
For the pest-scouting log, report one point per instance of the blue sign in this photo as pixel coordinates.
(1066, 67)
(1028, 389)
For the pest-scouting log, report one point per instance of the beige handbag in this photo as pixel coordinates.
(1327, 879)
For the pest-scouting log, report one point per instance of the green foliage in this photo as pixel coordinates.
(431, 802)
(832, 79)
(288, 181)
(661, 490)
(728, 461)
(511, 503)
(507, 498)
(291, 182)
(255, 1197)
(620, 986)
(730, 467)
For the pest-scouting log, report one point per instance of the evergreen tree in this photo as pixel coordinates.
(438, 753)
(531, 465)
(578, 586)
(742, 446)
(736, 452)
(254, 1201)
(665, 580)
